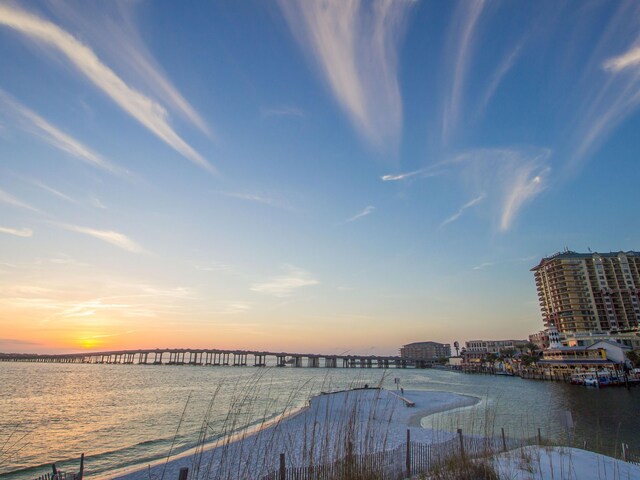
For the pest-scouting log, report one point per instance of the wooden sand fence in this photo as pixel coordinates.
(409, 458)
(58, 475)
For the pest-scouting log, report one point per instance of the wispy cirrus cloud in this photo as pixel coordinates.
(97, 203)
(22, 232)
(509, 177)
(264, 199)
(61, 305)
(15, 343)
(233, 308)
(507, 63)
(399, 176)
(464, 207)
(284, 111)
(292, 279)
(114, 238)
(625, 61)
(38, 126)
(216, 267)
(484, 266)
(367, 211)
(112, 28)
(9, 199)
(458, 53)
(610, 91)
(354, 44)
(50, 189)
(402, 176)
(148, 112)
(90, 307)
(526, 183)
(427, 172)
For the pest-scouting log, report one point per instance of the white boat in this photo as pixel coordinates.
(591, 382)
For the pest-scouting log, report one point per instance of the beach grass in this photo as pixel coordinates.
(361, 433)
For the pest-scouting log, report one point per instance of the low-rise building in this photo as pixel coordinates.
(425, 351)
(560, 360)
(540, 339)
(614, 351)
(476, 350)
(455, 362)
(629, 339)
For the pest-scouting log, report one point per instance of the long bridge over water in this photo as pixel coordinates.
(216, 357)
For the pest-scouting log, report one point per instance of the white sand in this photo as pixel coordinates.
(375, 420)
(544, 463)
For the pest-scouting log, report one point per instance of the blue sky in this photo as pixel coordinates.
(305, 176)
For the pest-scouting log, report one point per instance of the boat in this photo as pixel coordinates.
(577, 380)
(591, 382)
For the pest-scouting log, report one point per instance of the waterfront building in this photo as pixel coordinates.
(540, 339)
(613, 351)
(475, 350)
(571, 359)
(455, 362)
(425, 350)
(602, 356)
(581, 339)
(589, 292)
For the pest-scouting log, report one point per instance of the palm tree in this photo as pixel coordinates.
(634, 358)
(532, 348)
(491, 358)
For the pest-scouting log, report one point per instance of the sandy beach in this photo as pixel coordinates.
(533, 463)
(374, 420)
(365, 420)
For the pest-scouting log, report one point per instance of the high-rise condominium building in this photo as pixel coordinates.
(589, 292)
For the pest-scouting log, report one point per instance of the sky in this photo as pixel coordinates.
(306, 176)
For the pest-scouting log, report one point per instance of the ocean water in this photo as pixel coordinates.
(125, 415)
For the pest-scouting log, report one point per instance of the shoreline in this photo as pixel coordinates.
(465, 401)
(234, 437)
(325, 414)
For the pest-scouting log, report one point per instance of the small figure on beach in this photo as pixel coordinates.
(402, 391)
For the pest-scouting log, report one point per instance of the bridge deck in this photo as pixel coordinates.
(215, 357)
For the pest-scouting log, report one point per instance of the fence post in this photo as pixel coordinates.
(184, 473)
(408, 453)
(461, 442)
(81, 472)
(283, 467)
(539, 437)
(504, 441)
(625, 451)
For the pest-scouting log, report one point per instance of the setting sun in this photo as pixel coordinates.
(89, 342)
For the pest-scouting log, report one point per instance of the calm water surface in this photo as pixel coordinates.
(123, 415)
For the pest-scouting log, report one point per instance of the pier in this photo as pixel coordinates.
(217, 357)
